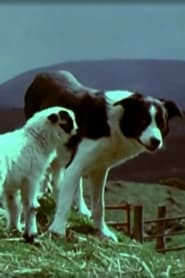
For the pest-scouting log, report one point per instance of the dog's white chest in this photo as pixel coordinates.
(106, 153)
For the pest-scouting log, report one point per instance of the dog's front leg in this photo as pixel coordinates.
(79, 201)
(57, 168)
(64, 202)
(96, 180)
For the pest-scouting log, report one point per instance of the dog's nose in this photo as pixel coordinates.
(154, 142)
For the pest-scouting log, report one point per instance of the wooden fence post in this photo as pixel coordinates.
(160, 230)
(138, 224)
(128, 208)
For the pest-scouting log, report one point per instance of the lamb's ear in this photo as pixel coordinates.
(53, 118)
(172, 109)
(66, 121)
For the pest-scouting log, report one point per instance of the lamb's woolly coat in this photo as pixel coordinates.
(25, 154)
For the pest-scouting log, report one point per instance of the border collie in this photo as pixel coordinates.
(25, 155)
(113, 127)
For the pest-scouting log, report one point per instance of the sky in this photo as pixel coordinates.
(35, 35)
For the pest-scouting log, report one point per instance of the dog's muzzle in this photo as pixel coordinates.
(153, 144)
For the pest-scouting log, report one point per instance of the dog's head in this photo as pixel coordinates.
(55, 123)
(146, 119)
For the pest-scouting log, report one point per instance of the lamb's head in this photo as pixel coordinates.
(55, 125)
(63, 123)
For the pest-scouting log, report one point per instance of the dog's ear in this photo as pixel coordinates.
(172, 109)
(53, 118)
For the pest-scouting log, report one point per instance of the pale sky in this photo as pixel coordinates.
(35, 35)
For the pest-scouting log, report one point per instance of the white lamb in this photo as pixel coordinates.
(25, 155)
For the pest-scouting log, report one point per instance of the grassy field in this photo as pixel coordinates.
(83, 253)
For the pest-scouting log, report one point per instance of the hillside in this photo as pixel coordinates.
(162, 78)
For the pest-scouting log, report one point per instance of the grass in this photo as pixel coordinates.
(83, 253)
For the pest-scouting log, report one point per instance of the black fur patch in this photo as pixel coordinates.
(61, 89)
(53, 118)
(66, 121)
(92, 117)
(162, 120)
(136, 116)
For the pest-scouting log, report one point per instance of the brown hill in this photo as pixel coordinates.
(161, 78)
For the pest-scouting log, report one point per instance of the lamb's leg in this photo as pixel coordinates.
(13, 206)
(30, 193)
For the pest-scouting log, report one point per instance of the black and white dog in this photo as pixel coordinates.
(114, 126)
